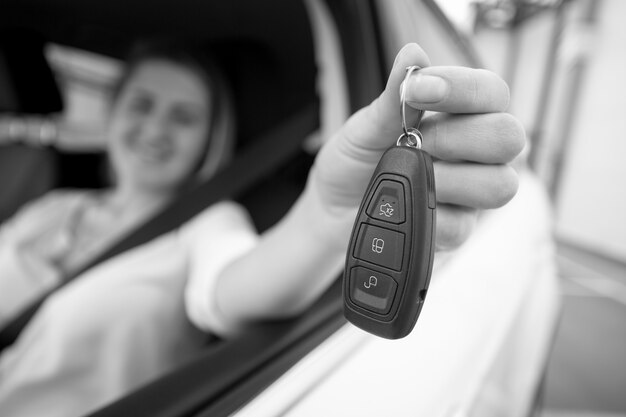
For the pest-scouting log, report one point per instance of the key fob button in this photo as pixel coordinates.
(388, 202)
(372, 290)
(380, 246)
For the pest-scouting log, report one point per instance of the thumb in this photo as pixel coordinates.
(344, 165)
(378, 125)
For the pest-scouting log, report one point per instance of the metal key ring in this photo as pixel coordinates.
(405, 129)
(413, 139)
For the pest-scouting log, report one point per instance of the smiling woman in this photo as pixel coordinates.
(170, 125)
(174, 113)
(159, 129)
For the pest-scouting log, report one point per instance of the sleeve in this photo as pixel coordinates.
(217, 237)
(25, 273)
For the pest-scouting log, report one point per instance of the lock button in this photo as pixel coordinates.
(372, 290)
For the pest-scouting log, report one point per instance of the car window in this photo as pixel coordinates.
(404, 21)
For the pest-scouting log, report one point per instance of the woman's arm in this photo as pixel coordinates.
(471, 141)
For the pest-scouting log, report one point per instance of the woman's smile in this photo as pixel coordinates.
(151, 150)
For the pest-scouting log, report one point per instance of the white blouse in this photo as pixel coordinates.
(118, 325)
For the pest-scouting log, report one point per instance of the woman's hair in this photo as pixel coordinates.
(220, 143)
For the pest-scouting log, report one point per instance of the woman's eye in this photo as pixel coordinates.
(185, 118)
(139, 105)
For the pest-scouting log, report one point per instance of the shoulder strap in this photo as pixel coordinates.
(265, 154)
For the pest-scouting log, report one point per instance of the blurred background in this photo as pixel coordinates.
(564, 62)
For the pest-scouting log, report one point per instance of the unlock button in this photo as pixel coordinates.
(372, 290)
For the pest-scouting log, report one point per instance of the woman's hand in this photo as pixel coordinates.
(471, 141)
(470, 138)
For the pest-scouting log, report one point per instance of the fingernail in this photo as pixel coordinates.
(401, 53)
(426, 89)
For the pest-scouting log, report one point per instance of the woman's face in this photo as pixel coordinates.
(159, 126)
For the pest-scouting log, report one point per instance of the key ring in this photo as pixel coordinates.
(412, 135)
(412, 138)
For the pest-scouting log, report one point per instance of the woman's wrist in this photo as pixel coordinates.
(330, 225)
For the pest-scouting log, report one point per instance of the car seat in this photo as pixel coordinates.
(28, 88)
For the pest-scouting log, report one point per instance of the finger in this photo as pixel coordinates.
(457, 90)
(454, 225)
(378, 125)
(492, 138)
(475, 185)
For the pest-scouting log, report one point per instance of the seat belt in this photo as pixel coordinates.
(257, 161)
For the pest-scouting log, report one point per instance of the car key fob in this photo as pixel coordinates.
(390, 255)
